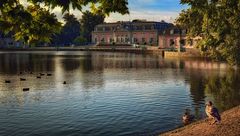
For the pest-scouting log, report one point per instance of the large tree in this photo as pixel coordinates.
(69, 31)
(103, 6)
(217, 21)
(31, 26)
(88, 22)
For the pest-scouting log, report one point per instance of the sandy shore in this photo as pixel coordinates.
(230, 126)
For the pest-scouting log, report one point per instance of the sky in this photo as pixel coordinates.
(151, 10)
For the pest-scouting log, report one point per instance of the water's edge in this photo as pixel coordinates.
(225, 115)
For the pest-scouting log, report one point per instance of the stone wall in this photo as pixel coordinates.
(187, 53)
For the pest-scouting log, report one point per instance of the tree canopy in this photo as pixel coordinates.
(103, 6)
(77, 31)
(88, 22)
(69, 31)
(31, 25)
(34, 23)
(217, 21)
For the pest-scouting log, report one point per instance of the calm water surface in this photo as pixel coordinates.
(107, 94)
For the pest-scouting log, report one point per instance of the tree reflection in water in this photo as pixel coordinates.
(197, 92)
(109, 89)
(225, 90)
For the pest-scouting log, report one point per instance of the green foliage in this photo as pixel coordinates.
(69, 31)
(98, 6)
(80, 40)
(35, 24)
(88, 22)
(32, 25)
(43, 25)
(218, 23)
(225, 89)
(72, 29)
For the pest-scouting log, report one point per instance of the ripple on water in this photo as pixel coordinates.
(106, 94)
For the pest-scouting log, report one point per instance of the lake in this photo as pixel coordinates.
(107, 94)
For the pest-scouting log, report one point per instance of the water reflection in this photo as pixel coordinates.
(196, 89)
(225, 90)
(109, 91)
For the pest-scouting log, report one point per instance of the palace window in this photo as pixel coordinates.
(183, 42)
(111, 40)
(102, 40)
(126, 39)
(148, 27)
(135, 39)
(139, 27)
(100, 28)
(107, 28)
(151, 40)
(172, 42)
(122, 39)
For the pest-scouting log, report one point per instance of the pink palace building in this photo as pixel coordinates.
(175, 38)
(136, 32)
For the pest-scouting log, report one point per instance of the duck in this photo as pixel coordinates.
(49, 74)
(38, 76)
(212, 113)
(7, 81)
(64, 82)
(41, 74)
(22, 79)
(25, 89)
(187, 118)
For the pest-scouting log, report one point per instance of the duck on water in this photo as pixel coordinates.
(187, 117)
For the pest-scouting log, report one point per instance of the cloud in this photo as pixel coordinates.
(167, 16)
(58, 12)
(152, 10)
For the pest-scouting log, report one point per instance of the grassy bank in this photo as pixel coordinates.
(230, 126)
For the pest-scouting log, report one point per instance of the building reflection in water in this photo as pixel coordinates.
(206, 79)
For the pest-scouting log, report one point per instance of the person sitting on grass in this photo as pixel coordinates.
(212, 113)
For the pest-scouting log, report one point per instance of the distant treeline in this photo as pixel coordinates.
(77, 32)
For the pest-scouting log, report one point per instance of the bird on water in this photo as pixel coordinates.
(7, 81)
(22, 79)
(187, 118)
(212, 112)
(25, 89)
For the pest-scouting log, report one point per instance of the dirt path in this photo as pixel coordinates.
(230, 126)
